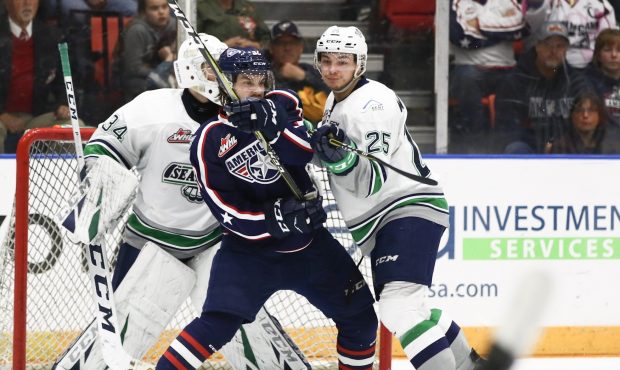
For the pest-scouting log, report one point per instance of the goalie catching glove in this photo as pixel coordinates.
(336, 158)
(257, 115)
(288, 216)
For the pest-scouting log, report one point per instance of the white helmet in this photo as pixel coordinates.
(188, 68)
(348, 40)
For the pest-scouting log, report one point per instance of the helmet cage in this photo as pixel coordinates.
(191, 69)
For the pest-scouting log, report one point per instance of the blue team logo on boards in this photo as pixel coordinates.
(252, 164)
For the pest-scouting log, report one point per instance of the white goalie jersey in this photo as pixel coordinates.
(153, 133)
(370, 195)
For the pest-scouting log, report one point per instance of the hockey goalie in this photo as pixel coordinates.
(170, 237)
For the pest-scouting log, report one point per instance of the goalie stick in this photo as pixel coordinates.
(98, 266)
(226, 85)
(75, 124)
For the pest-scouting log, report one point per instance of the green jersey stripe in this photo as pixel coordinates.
(100, 150)
(172, 239)
(363, 230)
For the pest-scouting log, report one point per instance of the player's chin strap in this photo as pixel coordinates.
(349, 85)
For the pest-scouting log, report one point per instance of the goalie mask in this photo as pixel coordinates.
(348, 40)
(248, 62)
(193, 72)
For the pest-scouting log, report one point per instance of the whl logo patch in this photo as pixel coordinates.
(182, 136)
(226, 144)
(252, 164)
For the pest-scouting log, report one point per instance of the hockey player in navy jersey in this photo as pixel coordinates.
(271, 240)
(153, 133)
(395, 220)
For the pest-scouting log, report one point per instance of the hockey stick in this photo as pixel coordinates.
(367, 155)
(227, 86)
(75, 124)
(364, 154)
(98, 266)
(520, 326)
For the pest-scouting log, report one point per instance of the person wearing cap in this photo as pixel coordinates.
(533, 103)
(285, 51)
(584, 19)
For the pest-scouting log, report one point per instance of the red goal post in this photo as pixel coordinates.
(46, 176)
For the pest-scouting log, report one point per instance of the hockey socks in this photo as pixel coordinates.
(356, 343)
(199, 340)
(458, 343)
(426, 346)
(355, 359)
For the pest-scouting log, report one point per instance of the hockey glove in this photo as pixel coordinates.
(291, 216)
(257, 115)
(337, 159)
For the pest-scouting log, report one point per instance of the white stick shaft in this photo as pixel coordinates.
(112, 349)
(75, 124)
(107, 318)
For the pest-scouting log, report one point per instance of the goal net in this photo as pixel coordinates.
(45, 294)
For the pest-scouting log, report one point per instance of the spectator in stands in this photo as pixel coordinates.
(285, 52)
(31, 87)
(145, 49)
(584, 19)
(236, 22)
(533, 103)
(589, 132)
(482, 34)
(604, 71)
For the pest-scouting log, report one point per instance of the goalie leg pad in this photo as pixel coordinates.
(270, 346)
(147, 299)
(152, 292)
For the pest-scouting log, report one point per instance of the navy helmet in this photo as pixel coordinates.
(247, 61)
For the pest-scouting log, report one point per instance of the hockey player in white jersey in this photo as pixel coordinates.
(395, 220)
(169, 219)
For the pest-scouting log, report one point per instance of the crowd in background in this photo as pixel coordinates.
(32, 93)
(542, 76)
(533, 78)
